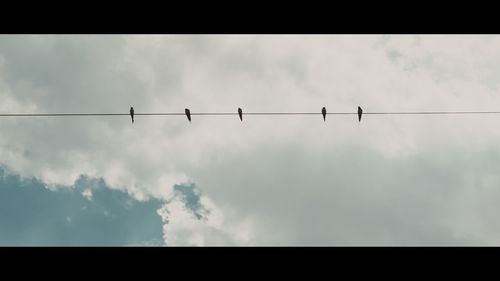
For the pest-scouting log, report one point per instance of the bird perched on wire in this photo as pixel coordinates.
(323, 111)
(188, 114)
(132, 114)
(360, 112)
(240, 113)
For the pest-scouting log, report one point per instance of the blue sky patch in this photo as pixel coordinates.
(32, 215)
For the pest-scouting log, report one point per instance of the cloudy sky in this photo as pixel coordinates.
(269, 180)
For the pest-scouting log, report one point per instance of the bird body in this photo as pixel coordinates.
(323, 111)
(240, 113)
(360, 112)
(188, 114)
(132, 114)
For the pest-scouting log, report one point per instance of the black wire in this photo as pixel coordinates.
(438, 112)
(247, 113)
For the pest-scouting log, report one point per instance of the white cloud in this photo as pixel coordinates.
(87, 193)
(182, 227)
(267, 180)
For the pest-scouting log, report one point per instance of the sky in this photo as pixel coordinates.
(389, 180)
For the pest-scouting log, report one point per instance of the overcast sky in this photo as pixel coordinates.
(269, 180)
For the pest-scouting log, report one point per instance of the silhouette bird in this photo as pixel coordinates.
(360, 112)
(132, 114)
(188, 114)
(323, 111)
(240, 113)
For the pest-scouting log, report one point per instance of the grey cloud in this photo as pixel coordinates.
(393, 55)
(353, 196)
(79, 74)
(63, 73)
